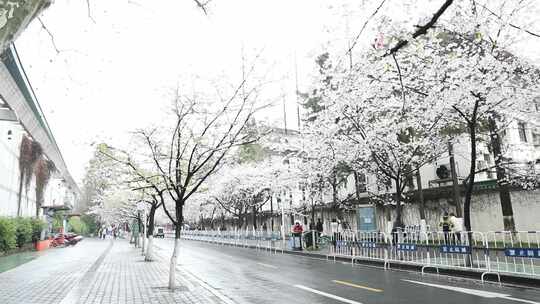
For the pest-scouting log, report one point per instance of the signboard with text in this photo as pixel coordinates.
(455, 249)
(522, 252)
(406, 247)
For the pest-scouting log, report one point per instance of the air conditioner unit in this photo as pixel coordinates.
(443, 171)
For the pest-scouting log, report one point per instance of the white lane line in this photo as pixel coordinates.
(476, 292)
(481, 293)
(521, 300)
(328, 295)
(267, 265)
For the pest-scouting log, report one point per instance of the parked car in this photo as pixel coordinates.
(160, 232)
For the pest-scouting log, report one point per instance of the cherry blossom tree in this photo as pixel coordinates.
(203, 130)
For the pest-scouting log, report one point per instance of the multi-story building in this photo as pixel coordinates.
(21, 116)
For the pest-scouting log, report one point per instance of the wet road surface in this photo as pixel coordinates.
(255, 276)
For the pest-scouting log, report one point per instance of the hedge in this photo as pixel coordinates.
(8, 234)
(78, 226)
(16, 232)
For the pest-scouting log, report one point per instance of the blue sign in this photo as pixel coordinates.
(455, 249)
(522, 252)
(368, 245)
(406, 247)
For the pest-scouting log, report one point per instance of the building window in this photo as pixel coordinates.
(362, 182)
(522, 131)
(536, 139)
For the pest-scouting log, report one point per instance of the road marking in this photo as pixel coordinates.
(357, 286)
(328, 295)
(480, 293)
(267, 265)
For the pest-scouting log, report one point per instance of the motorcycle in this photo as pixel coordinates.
(67, 239)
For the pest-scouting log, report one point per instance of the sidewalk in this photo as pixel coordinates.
(96, 271)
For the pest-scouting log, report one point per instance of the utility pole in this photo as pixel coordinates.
(455, 185)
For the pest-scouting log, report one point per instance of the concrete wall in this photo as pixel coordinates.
(486, 212)
(9, 177)
(56, 192)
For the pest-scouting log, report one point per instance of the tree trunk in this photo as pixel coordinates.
(150, 233)
(176, 251)
(504, 191)
(21, 182)
(272, 211)
(38, 206)
(420, 196)
(470, 180)
(313, 211)
(254, 210)
(398, 222)
(455, 184)
(356, 186)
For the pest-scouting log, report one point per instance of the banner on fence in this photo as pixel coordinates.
(522, 252)
(406, 247)
(455, 249)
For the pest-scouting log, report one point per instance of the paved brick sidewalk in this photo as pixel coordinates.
(124, 277)
(97, 271)
(48, 278)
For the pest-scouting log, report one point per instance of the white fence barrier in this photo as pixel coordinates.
(514, 253)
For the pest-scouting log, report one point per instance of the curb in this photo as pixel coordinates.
(505, 278)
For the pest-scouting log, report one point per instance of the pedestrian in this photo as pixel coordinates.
(297, 234)
(319, 226)
(334, 230)
(457, 228)
(135, 232)
(446, 227)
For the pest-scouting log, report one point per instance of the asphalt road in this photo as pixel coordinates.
(245, 275)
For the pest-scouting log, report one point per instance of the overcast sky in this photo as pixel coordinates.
(116, 74)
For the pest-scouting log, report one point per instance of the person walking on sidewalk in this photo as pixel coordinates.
(135, 232)
(457, 228)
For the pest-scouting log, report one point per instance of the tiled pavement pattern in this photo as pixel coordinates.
(96, 272)
(48, 278)
(125, 278)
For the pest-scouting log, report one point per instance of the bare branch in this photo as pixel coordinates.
(422, 30)
(53, 42)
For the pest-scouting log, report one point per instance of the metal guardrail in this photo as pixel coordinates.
(496, 253)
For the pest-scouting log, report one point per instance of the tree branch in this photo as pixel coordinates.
(422, 30)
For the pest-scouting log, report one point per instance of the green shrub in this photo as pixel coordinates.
(24, 231)
(78, 226)
(8, 234)
(37, 226)
(91, 223)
